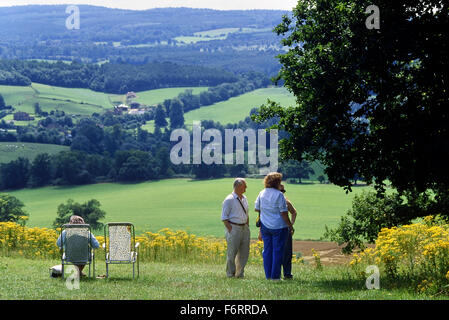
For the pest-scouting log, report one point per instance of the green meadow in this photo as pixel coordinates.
(85, 102)
(226, 31)
(217, 34)
(184, 204)
(10, 151)
(238, 108)
(69, 100)
(79, 101)
(235, 109)
(156, 96)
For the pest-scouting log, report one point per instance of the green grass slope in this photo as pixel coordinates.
(10, 151)
(183, 204)
(79, 101)
(69, 100)
(156, 96)
(238, 108)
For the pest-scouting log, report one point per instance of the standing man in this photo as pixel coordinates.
(236, 220)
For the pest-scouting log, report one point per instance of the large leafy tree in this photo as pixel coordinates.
(40, 171)
(2, 102)
(371, 103)
(159, 117)
(293, 169)
(176, 114)
(14, 174)
(11, 208)
(90, 211)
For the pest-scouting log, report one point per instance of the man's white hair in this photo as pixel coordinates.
(238, 182)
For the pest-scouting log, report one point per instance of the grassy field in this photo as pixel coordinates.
(86, 102)
(226, 31)
(238, 108)
(234, 109)
(183, 204)
(79, 101)
(29, 279)
(193, 39)
(85, 96)
(217, 34)
(10, 151)
(69, 100)
(156, 96)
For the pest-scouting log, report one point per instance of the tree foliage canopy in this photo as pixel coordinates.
(11, 208)
(370, 102)
(90, 211)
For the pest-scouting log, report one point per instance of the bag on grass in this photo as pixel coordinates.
(56, 271)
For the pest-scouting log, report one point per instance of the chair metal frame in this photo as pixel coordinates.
(134, 255)
(89, 253)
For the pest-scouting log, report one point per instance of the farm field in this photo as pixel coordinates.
(238, 108)
(156, 96)
(79, 101)
(217, 34)
(235, 109)
(84, 96)
(10, 151)
(69, 100)
(184, 204)
(85, 102)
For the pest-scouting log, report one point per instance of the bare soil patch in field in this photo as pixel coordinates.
(330, 252)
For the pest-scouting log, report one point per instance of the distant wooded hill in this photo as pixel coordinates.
(237, 41)
(110, 78)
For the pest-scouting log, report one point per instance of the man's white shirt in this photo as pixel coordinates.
(233, 211)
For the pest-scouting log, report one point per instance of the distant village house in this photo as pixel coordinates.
(131, 95)
(136, 112)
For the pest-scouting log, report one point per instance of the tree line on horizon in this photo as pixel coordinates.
(114, 154)
(117, 78)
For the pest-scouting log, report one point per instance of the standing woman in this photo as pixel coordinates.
(288, 251)
(275, 224)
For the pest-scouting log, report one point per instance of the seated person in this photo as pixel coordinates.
(93, 241)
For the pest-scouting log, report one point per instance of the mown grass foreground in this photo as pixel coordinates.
(25, 279)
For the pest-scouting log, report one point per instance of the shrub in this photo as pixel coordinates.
(418, 252)
(368, 215)
(11, 209)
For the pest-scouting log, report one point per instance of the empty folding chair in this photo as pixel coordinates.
(120, 245)
(76, 246)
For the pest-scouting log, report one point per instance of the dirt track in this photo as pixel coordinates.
(330, 252)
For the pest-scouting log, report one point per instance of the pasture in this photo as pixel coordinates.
(79, 101)
(10, 151)
(156, 96)
(233, 110)
(184, 204)
(69, 100)
(238, 108)
(217, 34)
